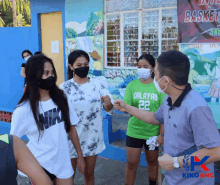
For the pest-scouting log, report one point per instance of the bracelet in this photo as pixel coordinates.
(161, 134)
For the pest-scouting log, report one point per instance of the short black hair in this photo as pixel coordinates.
(37, 53)
(150, 59)
(26, 51)
(72, 58)
(176, 65)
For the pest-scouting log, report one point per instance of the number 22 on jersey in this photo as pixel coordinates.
(144, 105)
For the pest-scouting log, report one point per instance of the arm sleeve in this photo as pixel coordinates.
(61, 87)
(128, 95)
(105, 92)
(74, 119)
(23, 65)
(18, 123)
(159, 114)
(204, 128)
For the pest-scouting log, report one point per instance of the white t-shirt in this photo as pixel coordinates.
(85, 99)
(52, 151)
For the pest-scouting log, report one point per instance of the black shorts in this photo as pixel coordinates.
(52, 177)
(137, 143)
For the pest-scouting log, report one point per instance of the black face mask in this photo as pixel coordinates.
(48, 83)
(82, 72)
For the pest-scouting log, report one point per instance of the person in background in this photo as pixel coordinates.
(192, 73)
(14, 154)
(143, 95)
(87, 96)
(26, 54)
(214, 90)
(37, 53)
(44, 116)
(189, 126)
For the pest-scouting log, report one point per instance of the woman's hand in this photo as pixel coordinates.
(160, 140)
(107, 102)
(81, 165)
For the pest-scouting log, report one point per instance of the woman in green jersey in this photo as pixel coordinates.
(143, 94)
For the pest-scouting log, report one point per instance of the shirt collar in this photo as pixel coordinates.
(73, 81)
(180, 98)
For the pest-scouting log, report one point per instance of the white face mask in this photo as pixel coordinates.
(158, 87)
(143, 73)
(27, 58)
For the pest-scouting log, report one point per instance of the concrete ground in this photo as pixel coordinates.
(107, 172)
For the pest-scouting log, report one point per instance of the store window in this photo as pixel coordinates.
(134, 27)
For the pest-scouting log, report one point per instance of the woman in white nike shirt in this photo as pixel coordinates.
(44, 116)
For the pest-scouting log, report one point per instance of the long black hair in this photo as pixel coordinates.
(150, 59)
(34, 71)
(72, 58)
(26, 51)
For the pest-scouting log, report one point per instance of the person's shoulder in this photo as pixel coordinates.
(132, 83)
(94, 80)
(65, 84)
(194, 100)
(165, 97)
(23, 106)
(102, 81)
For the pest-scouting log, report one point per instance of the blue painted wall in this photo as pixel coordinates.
(13, 42)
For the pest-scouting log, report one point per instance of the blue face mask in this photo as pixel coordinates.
(26, 59)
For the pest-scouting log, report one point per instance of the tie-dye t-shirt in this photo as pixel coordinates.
(86, 101)
(51, 151)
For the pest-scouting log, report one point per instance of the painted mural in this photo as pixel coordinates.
(85, 30)
(118, 80)
(204, 69)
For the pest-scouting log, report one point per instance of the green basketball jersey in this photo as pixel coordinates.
(145, 97)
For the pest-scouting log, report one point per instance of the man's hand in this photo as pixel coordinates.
(160, 140)
(81, 165)
(120, 105)
(166, 162)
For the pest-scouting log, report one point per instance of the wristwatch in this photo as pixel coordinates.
(176, 163)
(160, 134)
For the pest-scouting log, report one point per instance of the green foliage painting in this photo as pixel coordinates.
(21, 16)
(95, 24)
(70, 33)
